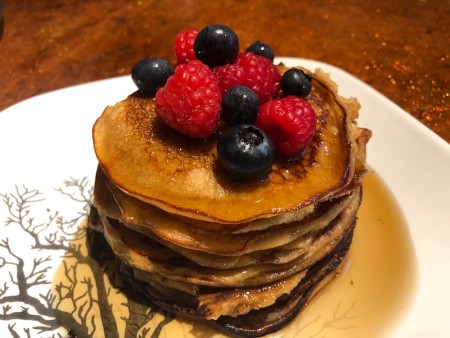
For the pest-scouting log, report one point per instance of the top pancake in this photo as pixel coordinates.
(158, 165)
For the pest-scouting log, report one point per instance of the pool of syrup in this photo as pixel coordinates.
(376, 287)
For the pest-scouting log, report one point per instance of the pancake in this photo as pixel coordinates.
(146, 254)
(181, 176)
(255, 323)
(166, 228)
(244, 257)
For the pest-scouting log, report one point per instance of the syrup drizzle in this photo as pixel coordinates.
(376, 287)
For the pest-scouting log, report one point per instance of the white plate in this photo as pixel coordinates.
(46, 175)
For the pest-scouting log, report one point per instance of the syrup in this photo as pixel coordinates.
(376, 287)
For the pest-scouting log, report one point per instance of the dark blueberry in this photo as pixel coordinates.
(245, 151)
(262, 49)
(240, 104)
(296, 82)
(216, 45)
(151, 74)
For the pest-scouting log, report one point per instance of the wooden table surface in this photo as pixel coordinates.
(401, 48)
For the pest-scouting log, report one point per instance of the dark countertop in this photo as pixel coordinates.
(401, 48)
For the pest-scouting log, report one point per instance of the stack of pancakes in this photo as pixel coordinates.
(244, 256)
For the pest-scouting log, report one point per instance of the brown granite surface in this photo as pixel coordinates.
(401, 47)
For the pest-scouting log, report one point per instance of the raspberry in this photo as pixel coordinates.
(191, 100)
(290, 122)
(253, 71)
(184, 45)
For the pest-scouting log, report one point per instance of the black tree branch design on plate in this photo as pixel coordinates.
(53, 269)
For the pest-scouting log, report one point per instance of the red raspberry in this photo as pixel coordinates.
(184, 45)
(191, 100)
(253, 71)
(289, 122)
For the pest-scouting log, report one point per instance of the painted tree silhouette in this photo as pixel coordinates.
(52, 272)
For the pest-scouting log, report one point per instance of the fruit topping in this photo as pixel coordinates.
(261, 49)
(253, 71)
(216, 45)
(151, 74)
(184, 45)
(289, 122)
(240, 105)
(296, 82)
(245, 151)
(191, 100)
(212, 80)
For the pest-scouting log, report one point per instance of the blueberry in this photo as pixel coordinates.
(262, 49)
(240, 105)
(245, 151)
(296, 82)
(151, 74)
(216, 45)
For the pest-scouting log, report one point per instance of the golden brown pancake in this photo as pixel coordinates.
(201, 303)
(147, 255)
(152, 162)
(167, 229)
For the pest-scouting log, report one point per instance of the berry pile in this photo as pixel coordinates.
(267, 113)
